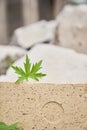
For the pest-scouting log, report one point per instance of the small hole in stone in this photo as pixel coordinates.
(80, 44)
(80, 95)
(28, 98)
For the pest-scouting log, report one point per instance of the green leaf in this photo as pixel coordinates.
(27, 65)
(30, 71)
(18, 70)
(37, 76)
(13, 126)
(3, 126)
(36, 67)
(20, 79)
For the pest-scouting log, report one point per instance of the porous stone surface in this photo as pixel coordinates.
(9, 54)
(71, 29)
(60, 64)
(30, 35)
(44, 106)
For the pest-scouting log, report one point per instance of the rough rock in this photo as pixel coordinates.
(9, 54)
(35, 33)
(71, 29)
(43, 106)
(60, 64)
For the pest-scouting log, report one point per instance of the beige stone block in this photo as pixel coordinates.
(43, 106)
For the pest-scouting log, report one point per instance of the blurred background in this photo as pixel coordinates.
(52, 30)
(17, 13)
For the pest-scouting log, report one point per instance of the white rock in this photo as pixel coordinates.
(9, 54)
(33, 34)
(10, 50)
(72, 28)
(60, 64)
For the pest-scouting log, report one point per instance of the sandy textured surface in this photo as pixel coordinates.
(42, 106)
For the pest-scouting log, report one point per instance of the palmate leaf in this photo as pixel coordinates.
(3, 126)
(36, 67)
(18, 70)
(27, 65)
(36, 76)
(30, 71)
(20, 79)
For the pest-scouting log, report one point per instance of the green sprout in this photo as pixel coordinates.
(4, 126)
(30, 71)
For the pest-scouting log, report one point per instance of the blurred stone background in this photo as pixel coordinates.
(52, 30)
(16, 13)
